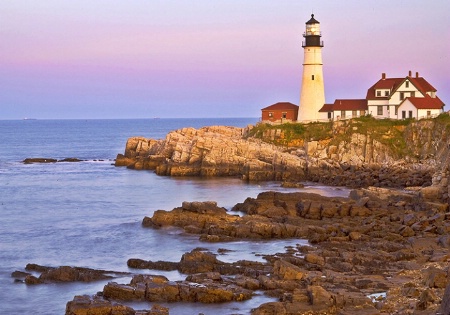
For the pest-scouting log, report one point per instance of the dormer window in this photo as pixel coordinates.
(386, 93)
(378, 93)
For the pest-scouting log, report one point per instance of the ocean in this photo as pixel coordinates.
(89, 213)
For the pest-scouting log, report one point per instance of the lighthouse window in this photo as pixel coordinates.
(312, 77)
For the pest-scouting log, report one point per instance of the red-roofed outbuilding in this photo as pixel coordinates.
(420, 107)
(280, 112)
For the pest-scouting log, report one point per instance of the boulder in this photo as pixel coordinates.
(287, 271)
(315, 259)
(318, 296)
(84, 304)
(39, 160)
(435, 278)
(444, 308)
(68, 274)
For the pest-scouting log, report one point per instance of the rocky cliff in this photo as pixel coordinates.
(350, 153)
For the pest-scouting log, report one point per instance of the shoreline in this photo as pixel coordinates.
(376, 241)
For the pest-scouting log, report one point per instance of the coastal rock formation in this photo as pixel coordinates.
(377, 240)
(160, 289)
(211, 151)
(349, 157)
(200, 262)
(379, 251)
(97, 305)
(63, 274)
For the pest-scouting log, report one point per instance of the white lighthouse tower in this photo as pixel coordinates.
(312, 95)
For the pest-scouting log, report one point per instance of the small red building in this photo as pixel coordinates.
(280, 112)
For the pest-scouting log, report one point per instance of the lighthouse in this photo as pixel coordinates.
(312, 95)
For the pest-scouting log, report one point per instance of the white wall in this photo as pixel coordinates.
(407, 106)
(312, 95)
(422, 113)
(348, 114)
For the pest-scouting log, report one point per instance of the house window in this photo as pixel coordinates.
(343, 113)
(379, 110)
(270, 114)
(283, 114)
(402, 96)
(329, 115)
(413, 94)
(378, 93)
(407, 84)
(428, 113)
(362, 112)
(312, 77)
(386, 93)
(355, 113)
(410, 114)
(396, 110)
(403, 114)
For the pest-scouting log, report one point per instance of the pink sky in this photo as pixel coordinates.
(140, 59)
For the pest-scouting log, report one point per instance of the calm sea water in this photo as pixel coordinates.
(89, 213)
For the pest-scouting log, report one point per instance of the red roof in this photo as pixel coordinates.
(281, 106)
(426, 102)
(394, 83)
(357, 104)
(388, 83)
(326, 108)
(422, 85)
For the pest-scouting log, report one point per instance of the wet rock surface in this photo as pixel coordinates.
(376, 241)
(62, 274)
(377, 252)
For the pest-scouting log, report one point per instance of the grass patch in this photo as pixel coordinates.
(286, 134)
(389, 132)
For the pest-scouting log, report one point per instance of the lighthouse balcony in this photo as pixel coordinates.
(312, 43)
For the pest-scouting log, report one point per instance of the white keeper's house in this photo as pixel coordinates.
(395, 98)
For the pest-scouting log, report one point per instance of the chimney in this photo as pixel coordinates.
(383, 75)
(417, 74)
(410, 73)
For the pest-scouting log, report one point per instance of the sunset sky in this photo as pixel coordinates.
(222, 58)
